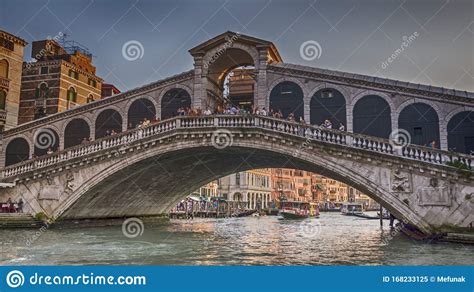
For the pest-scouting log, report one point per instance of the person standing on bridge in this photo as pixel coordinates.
(342, 127)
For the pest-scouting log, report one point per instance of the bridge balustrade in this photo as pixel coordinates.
(311, 132)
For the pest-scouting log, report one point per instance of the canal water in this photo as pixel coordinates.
(333, 239)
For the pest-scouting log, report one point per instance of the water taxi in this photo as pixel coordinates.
(294, 210)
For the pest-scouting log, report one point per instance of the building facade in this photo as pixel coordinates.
(109, 90)
(251, 189)
(60, 79)
(11, 60)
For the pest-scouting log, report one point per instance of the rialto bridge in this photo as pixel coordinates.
(145, 171)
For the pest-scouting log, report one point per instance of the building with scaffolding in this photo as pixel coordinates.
(61, 77)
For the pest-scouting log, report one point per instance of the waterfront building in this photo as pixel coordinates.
(251, 188)
(11, 60)
(61, 78)
(208, 190)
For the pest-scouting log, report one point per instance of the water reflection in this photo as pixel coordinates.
(331, 240)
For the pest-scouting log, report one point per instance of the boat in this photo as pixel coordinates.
(351, 209)
(244, 213)
(366, 216)
(294, 210)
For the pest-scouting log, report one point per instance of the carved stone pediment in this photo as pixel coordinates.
(401, 181)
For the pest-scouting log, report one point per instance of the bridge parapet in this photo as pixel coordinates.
(309, 132)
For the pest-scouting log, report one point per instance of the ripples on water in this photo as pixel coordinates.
(332, 239)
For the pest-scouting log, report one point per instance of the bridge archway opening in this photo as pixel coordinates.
(239, 87)
(107, 123)
(422, 123)
(140, 110)
(222, 87)
(328, 104)
(17, 150)
(287, 97)
(46, 140)
(461, 132)
(77, 131)
(372, 116)
(173, 100)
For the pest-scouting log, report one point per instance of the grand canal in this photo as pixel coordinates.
(332, 239)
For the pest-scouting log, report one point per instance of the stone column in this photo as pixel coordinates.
(261, 89)
(199, 96)
(349, 118)
(443, 134)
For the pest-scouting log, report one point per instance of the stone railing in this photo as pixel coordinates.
(309, 132)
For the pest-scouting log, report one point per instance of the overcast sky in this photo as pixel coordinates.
(354, 36)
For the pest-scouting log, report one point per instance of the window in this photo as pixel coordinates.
(73, 74)
(7, 44)
(42, 91)
(3, 100)
(92, 82)
(4, 69)
(71, 95)
(237, 179)
(90, 98)
(418, 131)
(327, 94)
(44, 70)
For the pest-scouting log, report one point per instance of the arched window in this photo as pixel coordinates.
(17, 151)
(3, 100)
(421, 122)
(328, 104)
(461, 132)
(90, 98)
(4, 69)
(77, 131)
(287, 97)
(172, 100)
(107, 123)
(372, 116)
(42, 91)
(71, 95)
(139, 110)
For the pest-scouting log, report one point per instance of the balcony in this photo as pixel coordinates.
(4, 83)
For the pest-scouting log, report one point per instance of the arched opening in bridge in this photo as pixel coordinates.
(372, 116)
(173, 100)
(46, 141)
(328, 104)
(287, 97)
(109, 122)
(231, 79)
(239, 87)
(140, 110)
(422, 123)
(17, 150)
(461, 132)
(77, 131)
